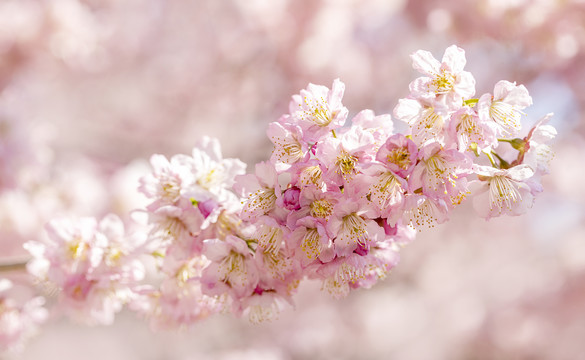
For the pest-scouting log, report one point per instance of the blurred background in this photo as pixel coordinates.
(90, 89)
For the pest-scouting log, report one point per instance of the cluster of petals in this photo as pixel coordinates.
(19, 318)
(335, 202)
(463, 133)
(92, 265)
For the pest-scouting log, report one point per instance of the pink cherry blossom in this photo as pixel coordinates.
(344, 155)
(385, 188)
(94, 264)
(381, 126)
(446, 84)
(232, 269)
(289, 146)
(441, 173)
(309, 240)
(261, 191)
(264, 307)
(398, 154)
(426, 123)
(503, 191)
(421, 212)
(20, 319)
(318, 110)
(316, 204)
(537, 152)
(503, 108)
(469, 129)
(352, 225)
(168, 180)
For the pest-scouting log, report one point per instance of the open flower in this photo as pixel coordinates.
(504, 108)
(446, 84)
(503, 191)
(317, 110)
(232, 269)
(343, 156)
(259, 190)
(426, 123)
(441, 173)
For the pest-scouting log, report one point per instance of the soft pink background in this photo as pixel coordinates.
(98, 85)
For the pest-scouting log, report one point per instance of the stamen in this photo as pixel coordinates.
(353, 228)
(399, 156)
(442, 83)
(386, 190)
(312, 175)
(346, 164)
(506, 116)
(318, 112)
(321, 208)
(311, 243)
(262, 201)
(503, 192)
(234, 269)
(270, 239)
(287, 149)
(423, 215)
(428, 126)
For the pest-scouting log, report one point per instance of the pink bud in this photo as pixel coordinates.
(291, 198)
(206, 207)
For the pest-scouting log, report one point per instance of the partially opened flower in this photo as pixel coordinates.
(537, 152)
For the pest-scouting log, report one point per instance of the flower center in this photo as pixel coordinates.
(386, 191)
(311, 243)
(170, 189)
(234, 268)
(503, 192)
(262, 201)
(311, 175)
(318, 112)
(270, 239)
(353, 229)
(442, 83)
(506, 116)
(346, 164)
(210, 179)
(468, 127)
(321, 209)
(399, 156)
(287, 149)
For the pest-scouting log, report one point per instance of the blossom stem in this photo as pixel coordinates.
(491, 159)
(503, 163)
(252, 243)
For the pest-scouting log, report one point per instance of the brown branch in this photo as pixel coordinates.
(15, 265)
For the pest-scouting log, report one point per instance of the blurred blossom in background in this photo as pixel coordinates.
(90, 89)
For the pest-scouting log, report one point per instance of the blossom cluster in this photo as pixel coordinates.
(93, 266)
(335, 202)
(19, 318)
